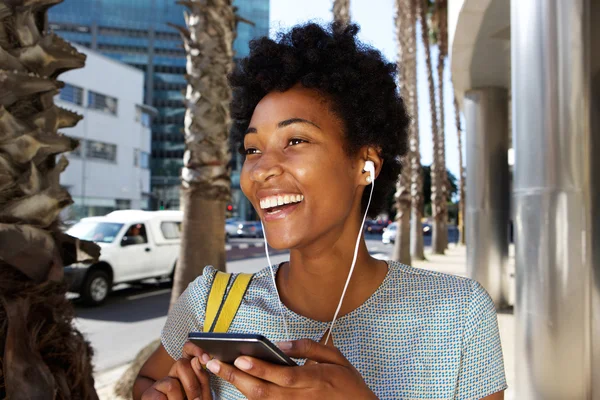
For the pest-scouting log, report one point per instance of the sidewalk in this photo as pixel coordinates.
(453, 262)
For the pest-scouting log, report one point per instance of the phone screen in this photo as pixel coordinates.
(226, 347)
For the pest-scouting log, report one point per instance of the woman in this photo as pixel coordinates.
(309, 110)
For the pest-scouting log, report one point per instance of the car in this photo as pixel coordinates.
(389, 233)
(374, 226)
(232, 226)
(236, 228)
(135, 245)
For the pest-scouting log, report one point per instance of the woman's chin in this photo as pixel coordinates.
(279, 241)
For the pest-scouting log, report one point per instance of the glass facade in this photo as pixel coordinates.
(137, 33)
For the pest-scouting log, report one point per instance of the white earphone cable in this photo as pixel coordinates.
(287, 333)
(352, 267)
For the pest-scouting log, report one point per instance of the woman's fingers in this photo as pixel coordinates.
(251, 387)
(314, 351)
(189, 380)
(203, 377)
(190, 350)
(167, 388)
(285, 376)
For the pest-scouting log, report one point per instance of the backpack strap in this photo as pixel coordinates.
(222, 307)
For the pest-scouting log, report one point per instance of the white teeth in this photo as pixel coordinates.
(275, 201)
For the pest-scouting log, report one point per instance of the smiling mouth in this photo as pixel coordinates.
(276, 204)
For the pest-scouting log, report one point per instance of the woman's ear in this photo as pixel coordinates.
(373, 155)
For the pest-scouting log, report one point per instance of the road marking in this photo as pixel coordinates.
(144, 295)
(227, 247)
(258, 245)
(243, 246)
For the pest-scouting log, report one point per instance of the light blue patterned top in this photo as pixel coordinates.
(421, 335)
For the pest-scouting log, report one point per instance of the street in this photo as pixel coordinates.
(134, 315)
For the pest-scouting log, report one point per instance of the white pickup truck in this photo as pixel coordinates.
(136, 245)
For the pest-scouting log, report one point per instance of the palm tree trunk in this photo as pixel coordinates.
(402, 246)
(206, 183)
(417, 249)
(436, 191)
(42, 355)
(341, 11)
(461, 177)
(442, 21)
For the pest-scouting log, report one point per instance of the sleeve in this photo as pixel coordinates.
(187, 314)
(482, 366)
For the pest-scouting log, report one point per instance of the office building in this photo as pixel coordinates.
(111, 168)
(137, 32)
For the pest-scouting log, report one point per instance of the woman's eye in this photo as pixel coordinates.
(296, 141)
(250, 151)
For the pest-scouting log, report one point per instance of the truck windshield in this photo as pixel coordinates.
(103, 232)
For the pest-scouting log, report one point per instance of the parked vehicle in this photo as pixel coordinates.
(389, 233)
(244, 229)
(374, 226)
(136, 245)
(231, 228)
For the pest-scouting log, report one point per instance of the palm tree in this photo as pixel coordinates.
(437, 197)
(42, 356)
(341, 11)
(461, 178)
(440, 22)
(206, 185)
(406, 61)
(416, 170)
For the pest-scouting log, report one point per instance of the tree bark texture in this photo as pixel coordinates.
(461, 177)
(442, 41)
(42, 355)
(341, 11)
(206, 184)
(412, 103)
(437, 198)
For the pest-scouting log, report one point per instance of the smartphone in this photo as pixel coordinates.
(226, 347)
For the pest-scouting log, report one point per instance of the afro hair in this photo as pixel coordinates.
(356, 79)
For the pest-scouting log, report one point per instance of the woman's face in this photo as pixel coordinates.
(296, 174)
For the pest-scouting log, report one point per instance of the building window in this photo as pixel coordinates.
(101, 151)
(141, 159)
(72, 94)
(123, 204)
(143, 117)
(101, 102)
(145, 160)
(171, 230)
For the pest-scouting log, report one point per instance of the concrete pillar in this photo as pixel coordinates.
(488, 196)
(556, 198)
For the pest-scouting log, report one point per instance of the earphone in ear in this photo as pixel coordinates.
(370, 168)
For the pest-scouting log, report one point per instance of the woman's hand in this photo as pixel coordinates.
(329, 376)
(186, 379)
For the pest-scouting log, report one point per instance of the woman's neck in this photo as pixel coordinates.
(311, 284)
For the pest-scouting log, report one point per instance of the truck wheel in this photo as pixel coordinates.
(96, 288)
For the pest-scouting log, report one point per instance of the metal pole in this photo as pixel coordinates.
(488, 196)
(553, 184)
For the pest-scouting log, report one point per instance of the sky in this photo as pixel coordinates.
(376, 20)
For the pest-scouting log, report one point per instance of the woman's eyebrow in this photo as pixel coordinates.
(291, 121)
(288, 122)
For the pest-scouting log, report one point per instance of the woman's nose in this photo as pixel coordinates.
(266, 168)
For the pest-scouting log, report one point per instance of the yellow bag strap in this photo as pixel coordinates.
(221, 308)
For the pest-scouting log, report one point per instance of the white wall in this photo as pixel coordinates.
(101, 182)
